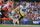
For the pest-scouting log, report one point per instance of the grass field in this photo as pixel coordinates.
(11, 25)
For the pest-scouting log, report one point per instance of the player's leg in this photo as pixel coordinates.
(14, 22)
(17, 21)
(4, 14)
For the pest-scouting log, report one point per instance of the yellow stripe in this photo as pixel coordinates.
(21, 13)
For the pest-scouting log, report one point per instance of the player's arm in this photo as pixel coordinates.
(17, 8)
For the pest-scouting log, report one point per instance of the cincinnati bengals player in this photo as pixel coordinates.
(5, 10)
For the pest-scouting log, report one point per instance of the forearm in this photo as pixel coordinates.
(17, 8)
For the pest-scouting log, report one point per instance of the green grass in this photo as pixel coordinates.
(11, 25)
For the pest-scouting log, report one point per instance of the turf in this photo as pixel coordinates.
(11, 25)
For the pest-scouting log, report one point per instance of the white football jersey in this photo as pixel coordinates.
(23, 7)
